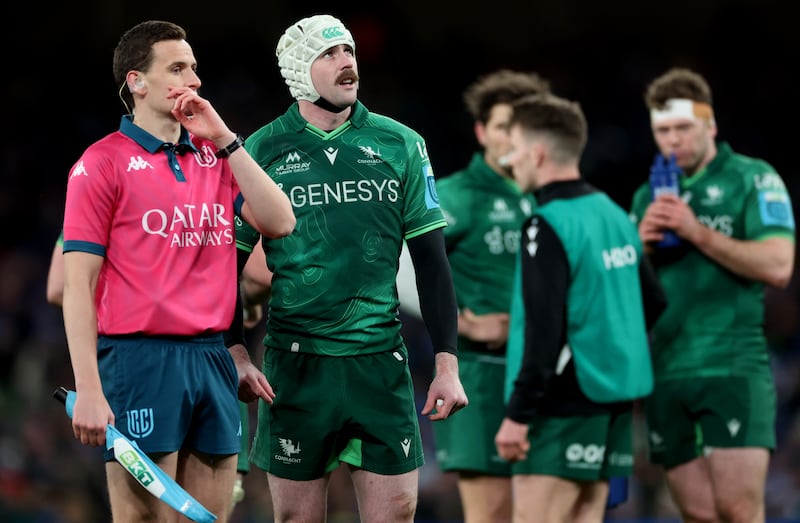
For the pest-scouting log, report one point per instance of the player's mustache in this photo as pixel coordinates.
(347, 75)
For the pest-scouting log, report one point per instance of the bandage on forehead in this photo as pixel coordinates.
(304, 42)
(682, 108)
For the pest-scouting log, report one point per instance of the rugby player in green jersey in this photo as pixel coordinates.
(711, 418)
(583, 299)
(360, 184)
(485, 209)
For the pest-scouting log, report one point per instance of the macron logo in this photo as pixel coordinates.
(137, 163)
(406, 444)
(331, 153)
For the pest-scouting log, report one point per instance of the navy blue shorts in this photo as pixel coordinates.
(169, 394)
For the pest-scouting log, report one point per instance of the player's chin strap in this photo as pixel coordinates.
(328, 106)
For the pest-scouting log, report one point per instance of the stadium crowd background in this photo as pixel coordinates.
(415, 59)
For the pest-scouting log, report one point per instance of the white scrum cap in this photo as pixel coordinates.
(301, 44)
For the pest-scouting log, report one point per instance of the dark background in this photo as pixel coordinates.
(415, 60)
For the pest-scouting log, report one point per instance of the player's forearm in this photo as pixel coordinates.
(769, 261)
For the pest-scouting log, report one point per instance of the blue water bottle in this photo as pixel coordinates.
(664, 176)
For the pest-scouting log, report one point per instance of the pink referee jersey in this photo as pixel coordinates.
(162, 216)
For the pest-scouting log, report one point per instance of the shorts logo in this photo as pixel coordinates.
(733, 427)
(289, 449)
(140, 422)
(580, 456)
(406, 444)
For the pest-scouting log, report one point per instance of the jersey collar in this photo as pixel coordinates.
(297, 123)
(149, 142)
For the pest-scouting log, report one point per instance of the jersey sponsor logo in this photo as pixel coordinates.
(137, 163)
(714, 195)
(431, 196)
(345, 191)
(190, 225)
(584, 456)
(406, 445)
(372, 156)
(140, 422)
(293, 163)
(501, 213)
(619, 257)
(79, 170)
(720, 223)
(423, 150)
(289, 449)
(331, 153)
(618, 459)
(499, 241)
(769, 181)
(775, 208)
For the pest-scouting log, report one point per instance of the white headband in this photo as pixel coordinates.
(683, 108)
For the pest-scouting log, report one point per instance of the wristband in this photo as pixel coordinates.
(226, 151)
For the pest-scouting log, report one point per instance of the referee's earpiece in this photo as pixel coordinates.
(137, 84)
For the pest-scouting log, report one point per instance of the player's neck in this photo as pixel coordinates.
(321, 118)
(163, 127)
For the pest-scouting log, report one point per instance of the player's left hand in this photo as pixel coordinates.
(252, 382)
(512, 441)
(446, 394)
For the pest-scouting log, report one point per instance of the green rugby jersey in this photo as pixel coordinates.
(357, 192)
(713, 324)
(484, 213)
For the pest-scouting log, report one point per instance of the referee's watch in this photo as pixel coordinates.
(228, 150)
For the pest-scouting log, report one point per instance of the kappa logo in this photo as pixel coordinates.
(79, 170)
(331, 153)
(138, 163)
(140, 422)
(406, 444)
